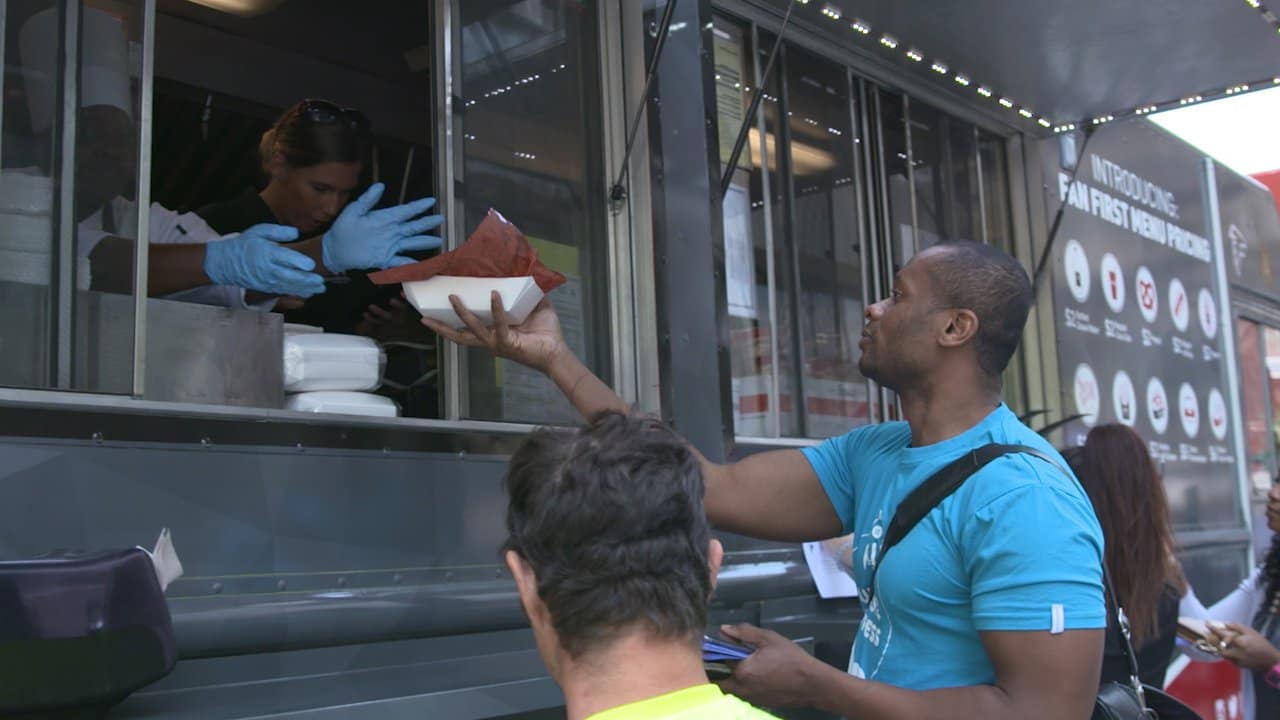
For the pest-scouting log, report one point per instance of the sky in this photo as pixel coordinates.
(1243, 132)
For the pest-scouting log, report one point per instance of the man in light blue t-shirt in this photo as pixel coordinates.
(992, 606)
(1016, 548)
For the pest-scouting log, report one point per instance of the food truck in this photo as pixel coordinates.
(339, 563)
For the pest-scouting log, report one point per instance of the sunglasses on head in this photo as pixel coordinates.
(323, 112)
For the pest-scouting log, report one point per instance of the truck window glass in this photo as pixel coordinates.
(68, 191)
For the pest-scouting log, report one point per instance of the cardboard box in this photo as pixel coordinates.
(431, 297)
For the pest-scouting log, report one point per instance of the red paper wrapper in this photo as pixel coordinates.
(496, 249)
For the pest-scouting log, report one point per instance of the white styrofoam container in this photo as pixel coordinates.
(26, 193)
(24, 232)
(35, 268)
(26, 225)
(330, 361)
(343, 402)
(520, 295)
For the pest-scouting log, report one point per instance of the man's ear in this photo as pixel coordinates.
(715, 557)
(961, 327)
(526, 585)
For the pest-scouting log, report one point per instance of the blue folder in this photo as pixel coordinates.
(714, 650)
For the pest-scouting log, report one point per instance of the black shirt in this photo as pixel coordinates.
(341, 307)
(239, 213)
(1154, 655)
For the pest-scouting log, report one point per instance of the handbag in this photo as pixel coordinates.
(1133, 700)
(1115, 701)
(80, 632)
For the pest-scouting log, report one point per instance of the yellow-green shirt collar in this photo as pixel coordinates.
(663, 705)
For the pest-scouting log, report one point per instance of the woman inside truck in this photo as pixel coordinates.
(313, 158)
(187, 260)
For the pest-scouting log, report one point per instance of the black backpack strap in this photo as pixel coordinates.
(930, 493)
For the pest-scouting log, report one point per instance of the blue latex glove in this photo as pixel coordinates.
(253, 260)
(363, 238)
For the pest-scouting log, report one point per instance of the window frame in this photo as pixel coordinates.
(1244, 308)
(1253, 499)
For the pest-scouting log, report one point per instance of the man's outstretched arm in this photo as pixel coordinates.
(746, 497)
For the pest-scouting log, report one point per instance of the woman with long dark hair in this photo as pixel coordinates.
(1128, 496)
(1245, 626)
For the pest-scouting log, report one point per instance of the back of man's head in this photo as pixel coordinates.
(609, 519)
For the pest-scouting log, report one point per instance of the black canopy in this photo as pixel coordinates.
(1065, 60)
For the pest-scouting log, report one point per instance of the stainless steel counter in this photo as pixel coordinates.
(195, 353)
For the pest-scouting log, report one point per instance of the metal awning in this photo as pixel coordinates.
(1064, 61)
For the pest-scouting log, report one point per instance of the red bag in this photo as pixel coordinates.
(495, 249)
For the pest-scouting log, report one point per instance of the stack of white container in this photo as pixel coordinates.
(330, 373)
(26, 231)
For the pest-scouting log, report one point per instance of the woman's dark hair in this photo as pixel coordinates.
(304, 142)
(1128, 496)
(1271, 576)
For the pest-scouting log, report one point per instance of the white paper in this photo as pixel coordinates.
(739, 254)
(164, 559)
(727, 51)
(831, 577)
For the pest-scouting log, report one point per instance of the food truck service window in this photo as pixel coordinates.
(217, 126)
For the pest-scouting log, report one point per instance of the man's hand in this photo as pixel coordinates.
(536, 342)
(778, 673)
(1038, 674)
(1243, 645)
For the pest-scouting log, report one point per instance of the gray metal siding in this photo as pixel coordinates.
(330, 582)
